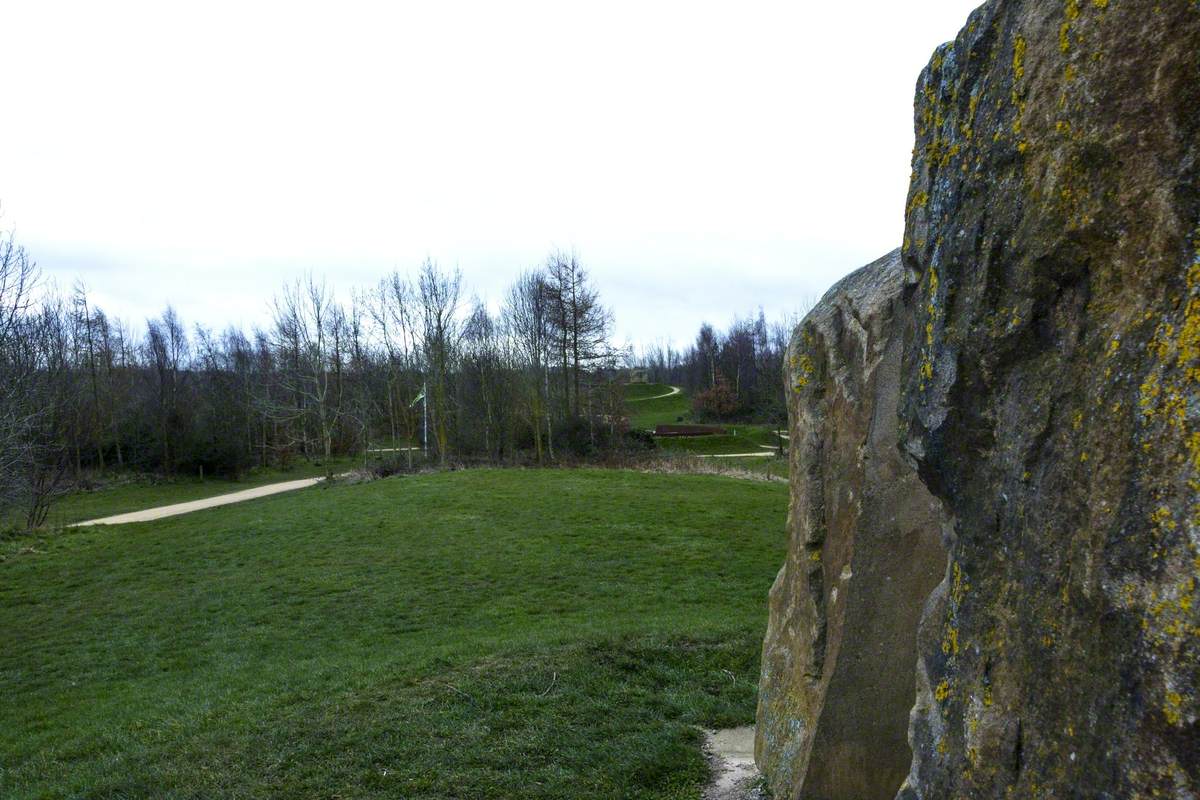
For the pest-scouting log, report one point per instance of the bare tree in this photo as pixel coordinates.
(49, 402)
(439, 293)
(309, 324)
(395, 315)
(482, 384)
(527, 320)
(18, 367)
(582, 326)
(18, 277)
(167, 347)
(357, 399)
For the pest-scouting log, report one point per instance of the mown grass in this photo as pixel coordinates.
(646, 410)
(479, 634)
(118, 494)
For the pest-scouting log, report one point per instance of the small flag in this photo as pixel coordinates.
(417, 399)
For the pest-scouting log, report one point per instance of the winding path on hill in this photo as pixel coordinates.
(674, 390)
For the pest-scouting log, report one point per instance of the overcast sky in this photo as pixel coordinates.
(702, 159)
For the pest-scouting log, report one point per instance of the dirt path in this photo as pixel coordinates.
(208, 502)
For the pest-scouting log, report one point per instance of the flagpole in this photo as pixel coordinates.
(425, 418)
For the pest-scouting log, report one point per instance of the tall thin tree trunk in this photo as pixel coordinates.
(566, 374)
(575, 362)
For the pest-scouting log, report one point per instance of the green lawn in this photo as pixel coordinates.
(477, 634)
(117, 494)
(646, 410)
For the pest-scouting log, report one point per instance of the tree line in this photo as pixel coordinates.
(407, 369)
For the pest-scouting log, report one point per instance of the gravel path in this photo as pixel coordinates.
(208, 502)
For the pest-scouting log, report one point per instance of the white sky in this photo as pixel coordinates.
(702, 159)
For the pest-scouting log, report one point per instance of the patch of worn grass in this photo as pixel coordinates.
(484, 634)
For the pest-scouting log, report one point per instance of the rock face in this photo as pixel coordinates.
(1044, 333)
(865, 552)
(1052, 258)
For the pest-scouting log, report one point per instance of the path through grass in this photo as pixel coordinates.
(481, 634)
(120, 494)
(646, 409)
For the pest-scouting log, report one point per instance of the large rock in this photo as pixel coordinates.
(865, 552)
(1053, 257)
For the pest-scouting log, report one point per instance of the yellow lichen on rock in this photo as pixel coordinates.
(1018, 60)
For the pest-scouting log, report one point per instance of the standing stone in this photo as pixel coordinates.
(1052, 254)
(865, 551)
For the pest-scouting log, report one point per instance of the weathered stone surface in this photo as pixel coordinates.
(1053, 257)
(865, 551)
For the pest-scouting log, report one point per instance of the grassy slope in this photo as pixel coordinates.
(137, 494)
(645, 413)
(642, 391)
(488, 633)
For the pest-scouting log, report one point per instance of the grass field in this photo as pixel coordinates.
(478, 634)
(119, 495)
(646, 410)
